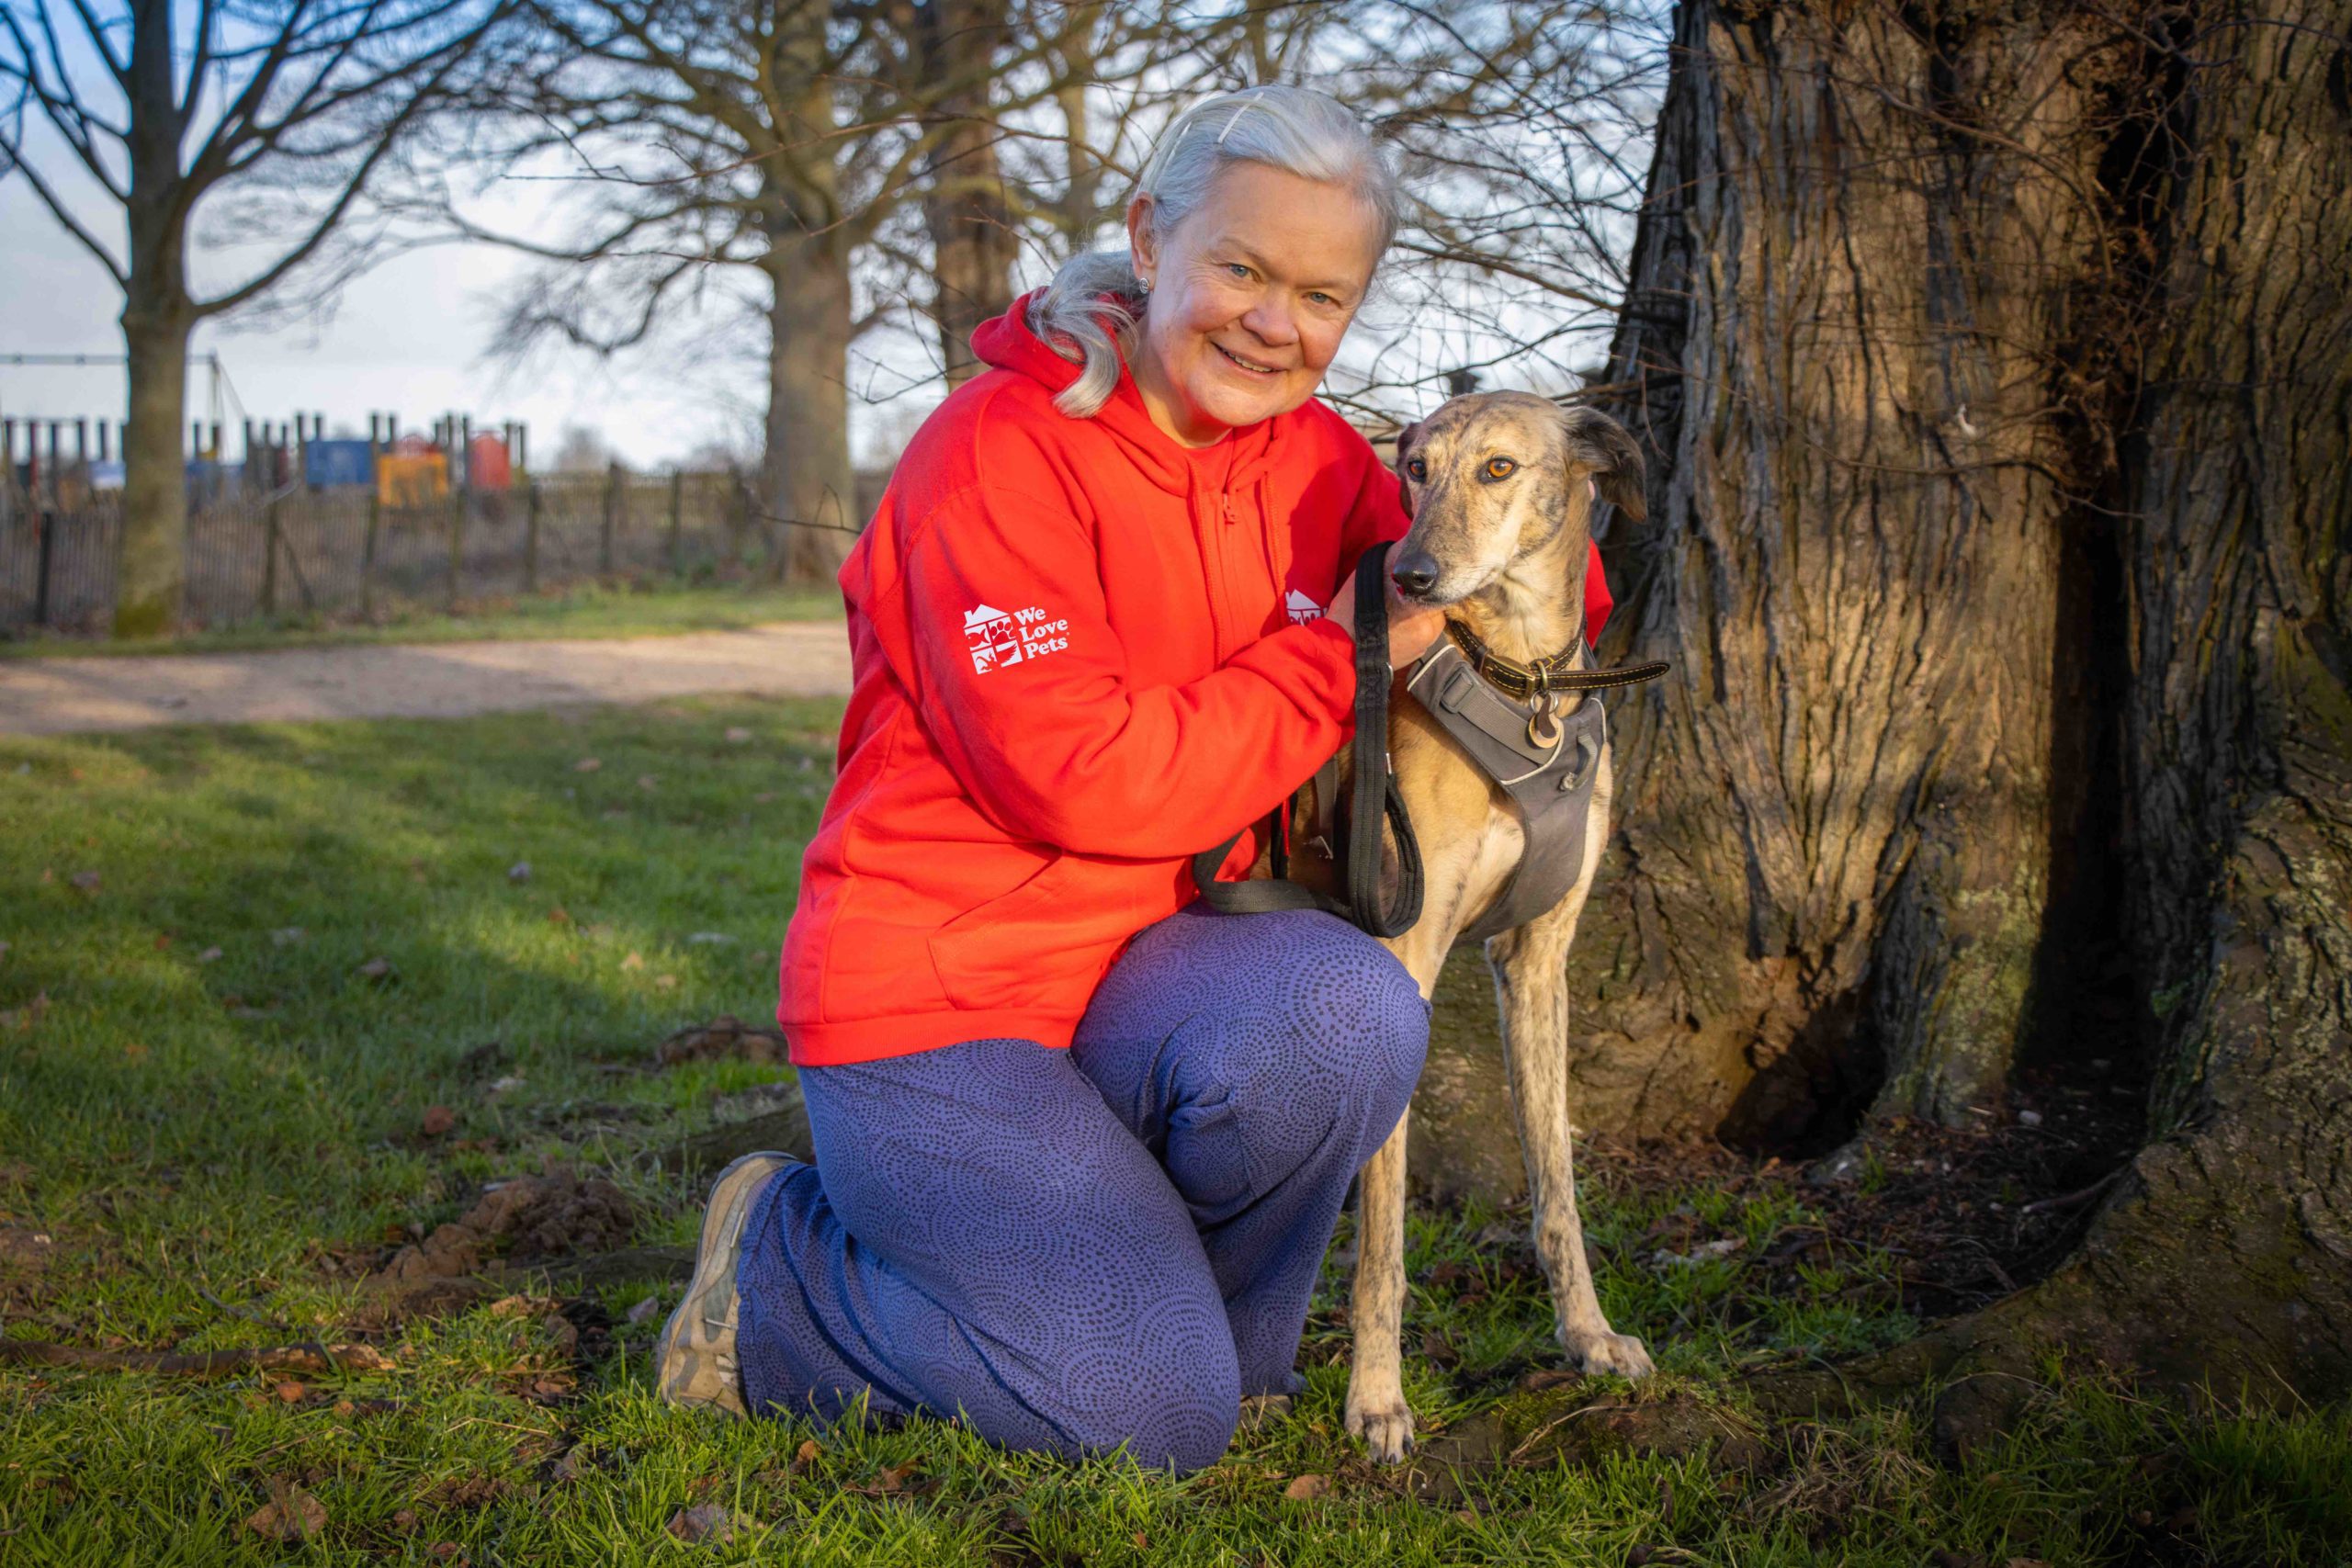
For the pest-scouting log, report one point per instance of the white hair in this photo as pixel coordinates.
(1090, 310)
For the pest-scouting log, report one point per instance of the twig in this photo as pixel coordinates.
(312, 1358)
(2068, 1199)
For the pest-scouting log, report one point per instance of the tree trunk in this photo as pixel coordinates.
(808, 485)
(150, 565)
(2227, 1253)
(157, 317)
(1851, 286)
(810, 490)
(1901, 292)
(972, 238)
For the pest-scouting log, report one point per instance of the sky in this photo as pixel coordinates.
(411, 336)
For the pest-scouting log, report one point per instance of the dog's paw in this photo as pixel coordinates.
(1385, 1425)
(1620, 1354)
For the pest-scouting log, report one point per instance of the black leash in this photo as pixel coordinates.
(1373, 795)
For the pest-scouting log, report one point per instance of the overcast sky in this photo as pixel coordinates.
(409, 336)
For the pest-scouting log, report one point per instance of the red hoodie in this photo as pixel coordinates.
(1081, 652)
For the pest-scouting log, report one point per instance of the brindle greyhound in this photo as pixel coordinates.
(1501, 489)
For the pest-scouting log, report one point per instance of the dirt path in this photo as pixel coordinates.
(445, 680)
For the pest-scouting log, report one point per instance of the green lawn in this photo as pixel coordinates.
(213, 1112)
(649, 611)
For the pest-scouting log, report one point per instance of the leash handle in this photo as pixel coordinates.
(1372, 798)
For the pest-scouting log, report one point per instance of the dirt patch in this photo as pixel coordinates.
(724, 1038)
(530, 1219)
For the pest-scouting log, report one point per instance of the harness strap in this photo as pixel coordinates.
(1372, 797)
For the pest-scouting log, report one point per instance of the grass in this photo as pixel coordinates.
(651, 609)
(215, 1144)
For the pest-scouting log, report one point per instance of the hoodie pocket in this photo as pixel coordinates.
(1020, 949)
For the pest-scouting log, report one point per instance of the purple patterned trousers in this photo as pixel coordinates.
(1104, 1246)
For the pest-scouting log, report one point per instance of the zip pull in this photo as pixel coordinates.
(1230, 515)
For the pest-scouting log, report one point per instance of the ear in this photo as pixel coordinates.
(1142, 247)
(1601, 443)
(1405, 489)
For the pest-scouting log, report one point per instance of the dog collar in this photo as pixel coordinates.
(1524, 682)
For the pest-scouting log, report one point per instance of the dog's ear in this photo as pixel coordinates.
(1604, 446)
(1404, 488)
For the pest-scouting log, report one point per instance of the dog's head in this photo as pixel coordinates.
(1496, 478)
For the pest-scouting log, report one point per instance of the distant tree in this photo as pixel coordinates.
(582, 449)
(132, 120)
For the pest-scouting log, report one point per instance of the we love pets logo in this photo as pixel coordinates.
(996, 638)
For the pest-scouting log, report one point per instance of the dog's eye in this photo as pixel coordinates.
(1501, 467)
(1416, 469)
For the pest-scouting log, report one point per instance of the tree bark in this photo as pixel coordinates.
(150, 568)
(2226, 1254)
(1851, 289)
(973, 239)
(808, 485)
(157, 317)
(811, 487)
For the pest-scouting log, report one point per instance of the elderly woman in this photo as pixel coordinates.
(1079, 1147)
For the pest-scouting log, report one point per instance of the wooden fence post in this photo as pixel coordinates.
(457, 496)
(531, 540)
(368, 552)
(269, 554)
(678, 538)
(612, 519)
(48, 547)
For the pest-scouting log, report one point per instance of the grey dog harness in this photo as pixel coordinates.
(1550, 786)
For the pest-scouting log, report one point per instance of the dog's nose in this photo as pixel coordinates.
(1416, 574)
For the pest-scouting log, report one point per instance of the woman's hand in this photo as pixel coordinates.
(1411, 627)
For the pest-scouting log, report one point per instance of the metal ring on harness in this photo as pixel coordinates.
(1543, 715)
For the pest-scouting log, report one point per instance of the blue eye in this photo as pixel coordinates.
(1236, 269)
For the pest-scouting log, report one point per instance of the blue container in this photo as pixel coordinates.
(329, 463)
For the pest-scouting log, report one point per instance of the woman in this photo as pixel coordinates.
(1078, 1147)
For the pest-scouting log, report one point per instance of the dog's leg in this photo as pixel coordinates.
(1377, 1409)
(1531, 985)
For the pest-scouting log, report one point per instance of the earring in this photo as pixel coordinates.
(1145, 284)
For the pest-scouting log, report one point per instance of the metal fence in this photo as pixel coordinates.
(343, 553)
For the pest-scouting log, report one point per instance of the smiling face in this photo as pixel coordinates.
(1499, 479)
(1251, 295)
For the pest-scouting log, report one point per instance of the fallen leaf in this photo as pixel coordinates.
(448, 1551)
(736, 734)
(647, 781)
(162, 941)
(704, 1524)
(807, 1454)
(289, 1392)
(763, 797)
(439, 1119)
(1307, 1487)
(892, 1478)
(208, 955)
(634, 961)
(645, 1309)
(87, 881)
(403, 1519)
(1143, 1542)
(376, 969)
(586, 765)
(134, 1053)
(665, 982)
(559, 916)
(345, 1409)
(295, 1515)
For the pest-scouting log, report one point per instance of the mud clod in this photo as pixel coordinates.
(531, 1218)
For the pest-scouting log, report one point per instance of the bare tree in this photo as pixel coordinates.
(277, 118)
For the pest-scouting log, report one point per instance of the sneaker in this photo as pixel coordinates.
(694, 1361)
